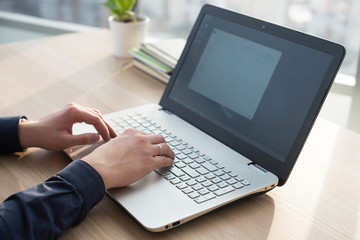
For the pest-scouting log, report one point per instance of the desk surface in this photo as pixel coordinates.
(320, 200)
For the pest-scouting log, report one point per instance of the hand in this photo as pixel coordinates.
(129, 157)
(54, 132)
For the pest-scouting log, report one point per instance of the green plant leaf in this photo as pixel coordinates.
(111, 5)
(121, 9)
(125, 5)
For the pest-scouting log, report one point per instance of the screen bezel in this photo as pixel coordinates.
(279, 168)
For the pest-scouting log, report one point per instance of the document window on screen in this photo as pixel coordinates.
(234, 66)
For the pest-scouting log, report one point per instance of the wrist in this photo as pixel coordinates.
(98, 167)
(27, 133)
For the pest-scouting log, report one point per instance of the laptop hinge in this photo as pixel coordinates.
(257, 168)
(166, 111)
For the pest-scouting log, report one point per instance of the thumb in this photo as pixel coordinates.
(83, 139)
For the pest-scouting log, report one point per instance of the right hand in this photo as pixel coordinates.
(129, 157)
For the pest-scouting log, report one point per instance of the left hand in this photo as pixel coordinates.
(54, 132)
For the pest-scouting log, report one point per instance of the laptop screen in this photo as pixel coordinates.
(250, 88)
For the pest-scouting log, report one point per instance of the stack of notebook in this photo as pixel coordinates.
(158, 59)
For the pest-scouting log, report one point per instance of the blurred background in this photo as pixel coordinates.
(336, 20)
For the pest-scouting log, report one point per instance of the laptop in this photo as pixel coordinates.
(236, 111)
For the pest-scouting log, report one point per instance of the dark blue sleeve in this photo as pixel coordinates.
(45, 211)
(9, 134)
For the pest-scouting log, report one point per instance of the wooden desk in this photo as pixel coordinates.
(321, 200)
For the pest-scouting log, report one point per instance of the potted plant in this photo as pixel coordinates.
(127, 28)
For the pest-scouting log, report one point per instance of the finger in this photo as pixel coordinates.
(163, 149)
(112, 132)
(82, 139)
(159, 162)
(156, 138)
(132, 132)
(90, 117)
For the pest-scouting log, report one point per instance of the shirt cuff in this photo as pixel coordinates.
(9, 137)
(87, 182)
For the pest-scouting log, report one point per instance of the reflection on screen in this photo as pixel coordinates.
(234, 72)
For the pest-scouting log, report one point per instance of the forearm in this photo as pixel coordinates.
(48, 209)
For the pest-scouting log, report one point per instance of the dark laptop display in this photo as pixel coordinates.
(254, 86)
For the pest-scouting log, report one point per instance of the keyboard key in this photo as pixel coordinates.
(162, 171)
(192, 173)
(213, 188)
(157, 131)
(187, 151)
(231, 181)
(174, 143)
(232, 174)
(238, 185)
(201, 179)
(200, 160)
(146, 124)
(213, 162)
(226, 171)
(225, 177)
(209, 196)
(195, 150)
(180, 164)
(175, 181)
(193, 155)
(222, 184)
(219, 173)
(169, 177)
(168, 139)
(209, 166)
(142, 129)
(219, 166)
(239, 178)
(191, 182)
(194, 165)
(187, 190)
(177, 172)
(185, 178)
(246, 183)
(210, 176)
(224, 190)
(205, 198)
(176, 152)
(216, 180)
(201, 199)
(187, 160)
(203, 191)
(207, 183)
(193, 195)
(151, 128)
(197, 187)
(180, 147)
(148, 132)
(202, 171)
(181, 185)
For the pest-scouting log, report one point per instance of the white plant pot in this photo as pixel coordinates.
(127, 35)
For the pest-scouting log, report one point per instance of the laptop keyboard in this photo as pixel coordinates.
(195, 174)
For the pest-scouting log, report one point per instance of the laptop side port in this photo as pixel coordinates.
(175, 223)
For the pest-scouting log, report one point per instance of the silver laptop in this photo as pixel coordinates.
(237, 110)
